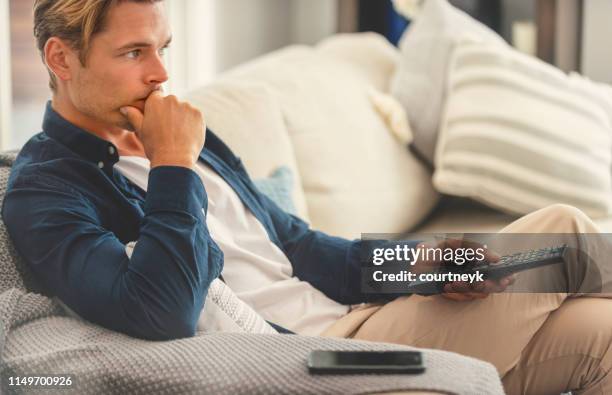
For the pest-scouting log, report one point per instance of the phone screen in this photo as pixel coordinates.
(365, 361)
(376, 358)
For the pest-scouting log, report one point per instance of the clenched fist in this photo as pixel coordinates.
(172, 132)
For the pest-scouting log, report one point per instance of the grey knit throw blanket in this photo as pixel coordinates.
(37, 337)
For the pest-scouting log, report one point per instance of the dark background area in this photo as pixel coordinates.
(380, 16)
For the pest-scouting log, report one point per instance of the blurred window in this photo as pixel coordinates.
(29, 78)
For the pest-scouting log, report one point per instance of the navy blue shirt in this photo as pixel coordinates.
(70, 214)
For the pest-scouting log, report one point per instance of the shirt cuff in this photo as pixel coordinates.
(175, 188)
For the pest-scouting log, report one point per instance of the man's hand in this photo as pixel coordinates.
(171, 132)
(462, 291)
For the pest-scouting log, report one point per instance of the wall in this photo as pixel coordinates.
(249, 28)
(313, 20)
(566, 31)
(513, 10)
(596, 49)
(567, 37)
(5, 76)
(28, 76)
(211, 36)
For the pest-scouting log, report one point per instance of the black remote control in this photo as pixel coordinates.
(507, 265)
(521, 261)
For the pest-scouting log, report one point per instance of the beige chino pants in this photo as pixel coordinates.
(544, 343)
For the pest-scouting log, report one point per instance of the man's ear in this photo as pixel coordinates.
(60, 58)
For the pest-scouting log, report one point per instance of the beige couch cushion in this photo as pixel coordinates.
(356, 176)
(367, 53)
(249, 120)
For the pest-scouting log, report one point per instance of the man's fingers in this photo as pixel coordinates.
(489, 255)
(464, 297)
(492, 286)
(156, 94)
(457, 286)
(492, 257)
(478, 286)
(455, 243)
(452, 243)
(134, 116)
(457, 297)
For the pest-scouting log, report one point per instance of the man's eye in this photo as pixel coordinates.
(162, 51)
(133, 54)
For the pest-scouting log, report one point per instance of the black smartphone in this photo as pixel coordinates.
(350, 362)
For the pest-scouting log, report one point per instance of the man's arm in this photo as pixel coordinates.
(331, 264)
(158, 293)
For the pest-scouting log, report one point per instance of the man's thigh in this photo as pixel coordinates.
(410, 393)
(570, 351)
(495, 329)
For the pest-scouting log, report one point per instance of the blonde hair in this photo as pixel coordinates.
(74, 21)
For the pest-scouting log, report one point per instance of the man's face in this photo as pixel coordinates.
(124, 64)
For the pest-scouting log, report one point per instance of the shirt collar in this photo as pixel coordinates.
(104, 154)
(89, 146)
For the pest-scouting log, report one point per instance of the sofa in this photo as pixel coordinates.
(315, 111)
(308, 109)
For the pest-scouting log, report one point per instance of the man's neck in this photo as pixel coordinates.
(127, 142)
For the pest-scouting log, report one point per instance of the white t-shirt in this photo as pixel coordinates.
(254, 267)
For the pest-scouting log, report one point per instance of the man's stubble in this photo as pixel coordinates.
(93, 99)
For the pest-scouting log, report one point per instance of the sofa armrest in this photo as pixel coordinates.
(41, 339)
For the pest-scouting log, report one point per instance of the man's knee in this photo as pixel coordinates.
(565, 211)
(569, 217)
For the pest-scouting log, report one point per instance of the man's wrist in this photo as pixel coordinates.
(173, 187)
(180, 162)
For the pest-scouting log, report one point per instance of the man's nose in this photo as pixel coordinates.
(157, 73)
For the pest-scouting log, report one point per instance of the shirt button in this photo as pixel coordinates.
(111, 150)
(100, 164)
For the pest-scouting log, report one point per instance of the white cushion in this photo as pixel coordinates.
(356, 176)
(519, 135)
(368, 53)
(248, 119)
(420, 79)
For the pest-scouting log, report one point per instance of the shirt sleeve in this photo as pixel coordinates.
(156, 294)
(331, 264)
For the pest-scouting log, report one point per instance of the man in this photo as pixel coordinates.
(117, 162)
